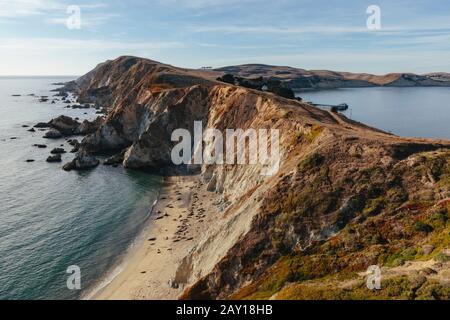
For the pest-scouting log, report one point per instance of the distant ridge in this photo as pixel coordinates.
(297, 79)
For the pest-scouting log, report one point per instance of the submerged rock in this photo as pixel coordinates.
(80, 106)
(61, 94)
(40, 146)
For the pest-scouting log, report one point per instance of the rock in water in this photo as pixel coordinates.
(75, 149)
(82, 161)
(73, 142)
(115, 159)
(64, 124)
(53, 134)
(58, 151)
(40, 146)
(42, 125)
(79, 106)
(55, 158)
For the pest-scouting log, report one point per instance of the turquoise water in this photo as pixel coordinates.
(411, 112)
(51, 219)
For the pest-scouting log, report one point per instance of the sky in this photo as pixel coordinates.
(41, 37)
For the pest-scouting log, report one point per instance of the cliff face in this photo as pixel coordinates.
(346, 196)
(300, 79)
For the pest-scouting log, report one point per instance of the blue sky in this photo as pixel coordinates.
(310, 34)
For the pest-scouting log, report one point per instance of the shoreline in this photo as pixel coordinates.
(180, 216)
(121, 263)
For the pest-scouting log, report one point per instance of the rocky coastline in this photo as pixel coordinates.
(346, 196)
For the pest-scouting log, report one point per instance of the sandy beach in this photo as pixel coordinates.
(182, 213)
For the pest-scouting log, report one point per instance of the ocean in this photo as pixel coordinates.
(51, 219)
(410, 112)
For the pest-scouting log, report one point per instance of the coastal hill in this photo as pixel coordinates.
(346, 196)
(298, 79)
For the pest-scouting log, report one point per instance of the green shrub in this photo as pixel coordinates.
(438, 219)
(419, 226)
(442, 257)
(311, 162)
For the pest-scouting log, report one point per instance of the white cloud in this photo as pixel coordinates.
(57, 56)
(87, 20)
(34, 45)
(279, 30)
(204, 4)
(55, 12)
(330, 29)
(19, 8)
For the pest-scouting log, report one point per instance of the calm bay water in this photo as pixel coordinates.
(411, 112)
(51, 219)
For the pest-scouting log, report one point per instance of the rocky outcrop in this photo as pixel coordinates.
(65, 125)
(75, 144)
(346, 196)
(82, 161)
(54, 158)
(88, 127)
(53, 134)
(115, 159)
(42, 125)
(99, 88)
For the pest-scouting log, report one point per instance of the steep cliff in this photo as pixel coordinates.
(345, 197)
